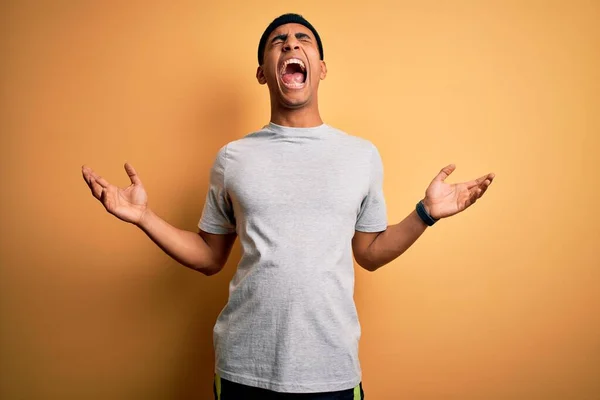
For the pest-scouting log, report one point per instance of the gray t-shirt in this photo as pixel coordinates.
(295, 197)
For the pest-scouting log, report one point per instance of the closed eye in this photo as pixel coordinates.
(279, 39)
(283, 37)
(303, 36)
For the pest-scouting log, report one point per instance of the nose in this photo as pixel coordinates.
(291, 44)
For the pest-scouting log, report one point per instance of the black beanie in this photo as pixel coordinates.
(282, 20)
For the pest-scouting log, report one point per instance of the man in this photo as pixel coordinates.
(303, 198)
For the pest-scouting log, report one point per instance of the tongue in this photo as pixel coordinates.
(295, 77)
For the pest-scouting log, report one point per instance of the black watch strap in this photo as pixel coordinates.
(424, 215)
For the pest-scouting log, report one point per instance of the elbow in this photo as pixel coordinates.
(371, 267)
(368, 265)
(211, 269)
(206, 269)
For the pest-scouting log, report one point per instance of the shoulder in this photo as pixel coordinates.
(235, 144)
(352, 140)
(251, 138)
(221, 156)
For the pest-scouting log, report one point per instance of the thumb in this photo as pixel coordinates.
(445, 172)
(135, 179)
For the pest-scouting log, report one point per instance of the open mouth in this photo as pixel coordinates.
(293, 73)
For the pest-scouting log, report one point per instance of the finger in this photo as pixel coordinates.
(102, 182)
(133, 176)
(474, 195)
(479, 181)
(85, 172)
(475, 182)
(445, 172)
(484, 187)
(89, 179)
(98, 179)
(104, 197)
(91, 182)
(96, 189)
(482, 191)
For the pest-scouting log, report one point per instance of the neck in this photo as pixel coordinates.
(305, 117)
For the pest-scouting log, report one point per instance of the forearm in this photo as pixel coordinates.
(394, 241)
(187, 248)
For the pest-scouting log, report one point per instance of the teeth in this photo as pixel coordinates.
(292, 61)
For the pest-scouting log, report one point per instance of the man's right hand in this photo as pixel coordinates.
(129, 204)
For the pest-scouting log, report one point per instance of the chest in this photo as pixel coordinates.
(298, 181)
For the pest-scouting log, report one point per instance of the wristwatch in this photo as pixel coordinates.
(424, 215)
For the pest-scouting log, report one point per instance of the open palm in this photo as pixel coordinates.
(127, 204)
(444, 200)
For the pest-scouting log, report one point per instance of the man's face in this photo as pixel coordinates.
(292, 66)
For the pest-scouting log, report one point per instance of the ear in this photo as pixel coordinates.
(260, 76)
(323, 70)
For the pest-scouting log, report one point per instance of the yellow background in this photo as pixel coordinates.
(501, 302)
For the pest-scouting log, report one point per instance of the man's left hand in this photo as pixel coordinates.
(444, 200)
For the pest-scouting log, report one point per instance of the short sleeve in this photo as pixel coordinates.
(372, 216)
(217, 215)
